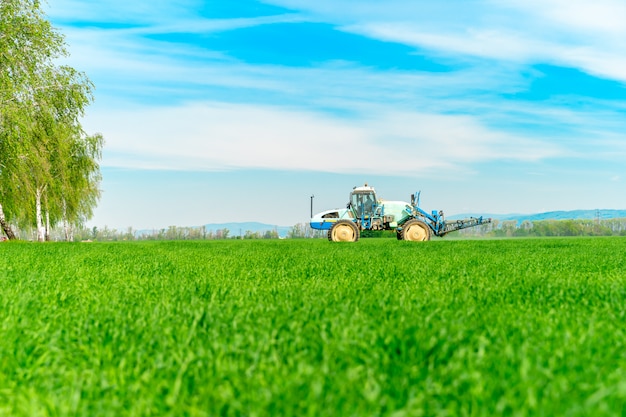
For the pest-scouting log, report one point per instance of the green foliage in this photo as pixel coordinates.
(304, 230)
(47, 163)
(307, 327)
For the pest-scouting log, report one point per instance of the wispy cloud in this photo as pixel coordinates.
(121, 11)
(212, 103)
(237, 136)
(580, 34)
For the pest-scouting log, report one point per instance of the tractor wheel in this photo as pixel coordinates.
(343, 231)
(415, 230)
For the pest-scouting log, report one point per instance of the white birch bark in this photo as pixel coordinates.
(66, 224)
(40, 229)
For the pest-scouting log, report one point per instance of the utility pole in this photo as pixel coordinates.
(312, 197)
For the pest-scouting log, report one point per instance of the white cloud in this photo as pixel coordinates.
(492, 44)
(596, 18)
(215, 136)
(121, 11)
(572, 33)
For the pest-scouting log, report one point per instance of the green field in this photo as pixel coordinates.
(310, 328)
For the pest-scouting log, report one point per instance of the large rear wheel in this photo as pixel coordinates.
(415, 230)
(343, 231)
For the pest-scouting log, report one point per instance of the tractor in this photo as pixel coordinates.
(367, 212)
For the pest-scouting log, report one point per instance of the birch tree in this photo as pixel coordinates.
(43, 171)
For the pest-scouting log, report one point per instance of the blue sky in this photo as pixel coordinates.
(220, 111)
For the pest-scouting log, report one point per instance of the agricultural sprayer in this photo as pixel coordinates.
(366, 212)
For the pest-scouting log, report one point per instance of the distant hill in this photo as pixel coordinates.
(552, 215)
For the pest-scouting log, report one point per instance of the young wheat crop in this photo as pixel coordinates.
(307, 327)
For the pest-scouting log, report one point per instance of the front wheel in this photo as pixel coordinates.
(343, 231)
(415, 230)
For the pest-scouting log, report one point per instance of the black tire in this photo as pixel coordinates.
(415, 231)
(343, 231)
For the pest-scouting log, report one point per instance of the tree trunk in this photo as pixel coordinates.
(41, 233)
(5, 226)
(47, 238)
(69, 232)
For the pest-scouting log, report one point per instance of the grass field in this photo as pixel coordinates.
(310, 328)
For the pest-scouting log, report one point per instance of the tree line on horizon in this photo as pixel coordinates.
(49, 166)
(497, 229)
(541, 228)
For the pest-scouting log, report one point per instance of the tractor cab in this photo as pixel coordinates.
(363, 203)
